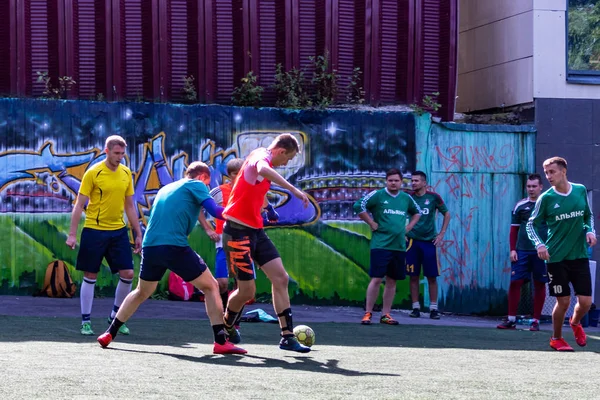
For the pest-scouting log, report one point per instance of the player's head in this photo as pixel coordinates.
(534, 186)
(199, 171)
(555, 169)
(283, 149)
(114, 147)
(393, 180)
(418, 180)
(233, 167)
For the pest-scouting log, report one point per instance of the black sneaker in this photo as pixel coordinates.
(233, 335)
(291, 344)
(507, 325)
(416, 313)
(434, 314)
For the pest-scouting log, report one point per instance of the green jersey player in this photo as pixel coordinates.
(389, 209)
(565, 210)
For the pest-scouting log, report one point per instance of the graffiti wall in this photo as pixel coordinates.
(46, 146)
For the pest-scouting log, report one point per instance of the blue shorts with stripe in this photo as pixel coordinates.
(221, 270)
(96, 244)
(528, 263)
(182, 260)
(421, 253)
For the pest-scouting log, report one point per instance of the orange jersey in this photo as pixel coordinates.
(249, 191)
(225, 191)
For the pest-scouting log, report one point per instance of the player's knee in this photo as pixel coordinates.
(223, 285)
(126, 274)
(585, 301)
(563, 302)
(281, 279)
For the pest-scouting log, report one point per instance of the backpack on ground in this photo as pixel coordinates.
(58, 282)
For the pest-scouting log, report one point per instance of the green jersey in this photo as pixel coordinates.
(520, 216)
(568, 217)
(390, 213)
(429, 203)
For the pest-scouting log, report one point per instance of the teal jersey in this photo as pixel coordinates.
(568, 217)
(390, 213)
(429, 203)
(174, 213)
(520, 216)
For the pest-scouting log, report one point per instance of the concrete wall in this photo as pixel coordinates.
(495, 54)
(549, 59)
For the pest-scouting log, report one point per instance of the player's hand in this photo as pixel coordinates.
(513, 256)
(214, 236)
(591, 239)
(302, 196)
(71, 241)
(137, 244)
(438, 239)
(543, 253)
(374, 226)
(271, 214)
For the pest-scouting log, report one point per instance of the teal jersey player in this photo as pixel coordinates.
(391, 213)
(429, 203)
(568, 217)
(167, 227)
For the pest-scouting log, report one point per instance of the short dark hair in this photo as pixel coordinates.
(234, 165)
(533, 177)
(393, 171)
(195, 169)
(421, 174)
(286, 141)
(561, 162)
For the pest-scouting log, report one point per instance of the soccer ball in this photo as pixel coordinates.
(305, 335)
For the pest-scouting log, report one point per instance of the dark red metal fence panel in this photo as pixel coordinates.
(436, 52)
(88, 51)
(40, 45)
(8, 58)
(348, 41)
(135, 34)
(142, 49)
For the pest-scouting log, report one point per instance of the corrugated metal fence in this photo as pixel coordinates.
(142, 49)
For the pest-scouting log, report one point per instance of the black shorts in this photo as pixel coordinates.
(182, 260)
(388, 263)
(245, 247)
(576, 272)
(96, 244)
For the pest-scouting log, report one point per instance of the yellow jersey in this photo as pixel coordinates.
(107, 191)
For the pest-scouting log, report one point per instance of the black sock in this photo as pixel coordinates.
(113, 329)
(230, 317)
(219, 332)
(289, 324)
(224, 298)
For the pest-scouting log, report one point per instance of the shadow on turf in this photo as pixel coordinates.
(303, 363)
(182, 334)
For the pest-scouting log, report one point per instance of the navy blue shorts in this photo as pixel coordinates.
(221, 264)
(528, 263)
(421, 253)
(245, 246)
(112, 245)
(184, 261)
(387, 263)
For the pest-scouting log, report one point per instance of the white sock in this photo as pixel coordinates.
(86, 298)
(512, 318)
(536, 320)
(433, 306)
(416, 305)
(123, 289)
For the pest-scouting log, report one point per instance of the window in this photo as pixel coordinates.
(583, 41)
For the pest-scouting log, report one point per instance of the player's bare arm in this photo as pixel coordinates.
(75, 218)
(440, 236)
(413, 221)
(210, 232)
(366, 217)
(269, 173)
(132, 217)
